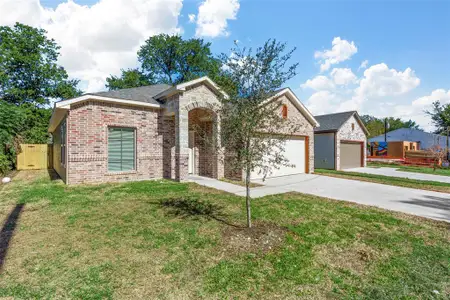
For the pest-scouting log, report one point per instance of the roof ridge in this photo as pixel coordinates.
(131, 88)
(338, 113)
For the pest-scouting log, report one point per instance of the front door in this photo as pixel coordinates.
(191, 161)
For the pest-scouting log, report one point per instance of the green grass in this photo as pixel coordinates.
(416, 169)
(389, 180)
(166, 240)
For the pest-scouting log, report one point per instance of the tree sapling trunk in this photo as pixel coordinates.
(247, 198)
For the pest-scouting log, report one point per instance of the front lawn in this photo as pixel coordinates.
(407, 168)
(161, 239)
(389, 180)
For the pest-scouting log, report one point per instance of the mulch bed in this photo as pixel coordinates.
(261, 238)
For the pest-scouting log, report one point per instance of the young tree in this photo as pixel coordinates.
(438, 154)
(29, 72)
(253, 132)
(169, 59)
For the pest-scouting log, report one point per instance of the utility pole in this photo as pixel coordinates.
(386, 127)
(447, 146)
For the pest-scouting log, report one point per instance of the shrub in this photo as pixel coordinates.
(5, 164)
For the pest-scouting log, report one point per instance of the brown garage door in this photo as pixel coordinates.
(350, 155)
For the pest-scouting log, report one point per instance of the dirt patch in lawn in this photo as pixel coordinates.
(261, 238)
(354, 258)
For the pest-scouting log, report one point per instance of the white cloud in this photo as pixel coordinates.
(191, 18)
(323, 102)
(213, 16)
(437, 95)
(341, 50)
(318, 83)
(416, 110)
(96, 40)
(363, 65)
(380, 92)
(379, 81)
(343, 76)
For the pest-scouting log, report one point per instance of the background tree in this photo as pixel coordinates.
(30, 79)
(130, 78)
(440, 116)
(12, 123)
(169, 59)
(375, 126)
(248, 119)
(28, 69)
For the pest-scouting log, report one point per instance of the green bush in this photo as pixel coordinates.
(5, 164)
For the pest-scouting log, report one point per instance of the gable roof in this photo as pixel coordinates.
(297, 103)
(333, 122)
(148, 96)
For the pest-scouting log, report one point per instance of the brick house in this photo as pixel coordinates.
(340, 141)
(149, 132)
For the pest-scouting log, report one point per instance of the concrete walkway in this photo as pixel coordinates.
(427, 204)
(395, 173)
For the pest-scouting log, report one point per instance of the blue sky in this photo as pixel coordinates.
(399, 34)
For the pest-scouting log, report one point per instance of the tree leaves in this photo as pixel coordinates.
(440, 116)
(375, 126)
(169, 59)
(29, 70)
(130, 78)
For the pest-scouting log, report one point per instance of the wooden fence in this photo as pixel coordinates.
(420, 157)
(35, 157)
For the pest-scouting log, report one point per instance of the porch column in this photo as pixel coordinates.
(181, 144)
(219, 156)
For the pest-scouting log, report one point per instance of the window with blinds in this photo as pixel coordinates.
(121, 149)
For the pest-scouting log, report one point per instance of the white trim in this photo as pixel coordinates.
(298, 103)
(66, 103)
(182, 87)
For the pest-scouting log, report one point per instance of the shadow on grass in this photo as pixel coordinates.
(7, 232)
(193, 207)
(442, 203)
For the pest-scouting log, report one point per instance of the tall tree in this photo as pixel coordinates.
(130, 78)
(169, 59)
(249, 120)
(375, 126)
(29, 72)
(440, 116)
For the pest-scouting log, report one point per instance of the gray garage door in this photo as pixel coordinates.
(350, 155)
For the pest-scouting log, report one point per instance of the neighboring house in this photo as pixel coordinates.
(149, 132)
(426, 140)
(340, 141)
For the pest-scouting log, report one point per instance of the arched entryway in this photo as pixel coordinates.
(203, 158)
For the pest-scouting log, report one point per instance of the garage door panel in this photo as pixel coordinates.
(294, 151)
(350, 155)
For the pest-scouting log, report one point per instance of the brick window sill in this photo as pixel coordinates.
(121, 173)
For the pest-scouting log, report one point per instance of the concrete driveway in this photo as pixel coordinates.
(427, 204)
(394, 173)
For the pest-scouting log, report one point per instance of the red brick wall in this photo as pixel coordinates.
(88, 142)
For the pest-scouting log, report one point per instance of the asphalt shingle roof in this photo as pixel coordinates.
(142, 94)
(332, 122)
